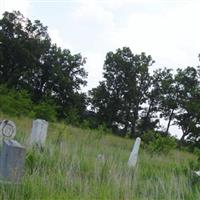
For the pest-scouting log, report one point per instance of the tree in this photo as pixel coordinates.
(124, 90)
(188, 116)
(61, 76)
(149, 119)
(28, 60)
(22, 45)
(168, 102)
(105, 105)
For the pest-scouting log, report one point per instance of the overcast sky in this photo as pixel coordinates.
(168, 30)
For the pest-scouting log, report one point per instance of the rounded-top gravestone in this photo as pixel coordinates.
(39, 132)
(7, 129)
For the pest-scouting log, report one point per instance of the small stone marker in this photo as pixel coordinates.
(7, 129)
(134, 154)
(101, 157)
(39, 132)
(197, 173)
(12, 161)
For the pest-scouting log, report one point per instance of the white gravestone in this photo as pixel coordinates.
(39, 132)
(12, 161)
(134, 154)
(7, 129)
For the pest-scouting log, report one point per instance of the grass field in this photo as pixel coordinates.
(68, 168)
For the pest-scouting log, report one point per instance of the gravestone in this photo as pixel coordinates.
(12, 161)
(7, 129)
(39, 132)
(101, 157)
(134, 154)
(197, 173)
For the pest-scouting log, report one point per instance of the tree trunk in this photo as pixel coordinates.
(181, 141)
(169, 122)
(125, 129)
(133, 129)
(146, 118)
(127, 118)
(133, 121)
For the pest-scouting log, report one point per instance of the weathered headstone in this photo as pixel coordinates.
(39, 132)
(7, 129)
(12, 161)
(134, 154)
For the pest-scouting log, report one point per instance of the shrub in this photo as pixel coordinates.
(19, 103)
(72, 116)
(157, 143)
(197, 153)
(45, 110)
(102, 130)
(85, 124)
(15, 103)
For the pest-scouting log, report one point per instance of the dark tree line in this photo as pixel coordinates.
(29, 60)
(130, 100)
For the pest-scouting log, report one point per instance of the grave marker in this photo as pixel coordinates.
(134, 154)
(39, 132)
(197, 173)
(7, 129)
(12, 161)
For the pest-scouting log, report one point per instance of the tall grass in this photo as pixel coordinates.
(69, 168)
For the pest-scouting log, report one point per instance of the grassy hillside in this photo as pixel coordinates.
(69, 168)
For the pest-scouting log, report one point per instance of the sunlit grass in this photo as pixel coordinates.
(68, 168)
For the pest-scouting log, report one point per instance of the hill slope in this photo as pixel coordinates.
(70, 167)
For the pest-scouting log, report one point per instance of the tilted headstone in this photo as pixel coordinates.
(12, 161)
(134, 154)
(7, 129)
(39, 132)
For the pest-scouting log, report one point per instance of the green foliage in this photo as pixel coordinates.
(188, 118)
(15, 103)
(45, 110)
(29, 61)
(128, 100)
(23, 43)
(31, 160)
(19, 103)
(162, 144)
(102, 130)
(118, 99)
(72, 117)
(85, 124)
(156, 143)
(197, 153)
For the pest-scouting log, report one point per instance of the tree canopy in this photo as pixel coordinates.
(130, 100)
(29, 60)
(124, 90)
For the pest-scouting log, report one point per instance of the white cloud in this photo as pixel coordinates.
(56, 37)
(10, 5)
(91, 25)
(172, 37)
(94, 67)
(164, 33)
(93, 12)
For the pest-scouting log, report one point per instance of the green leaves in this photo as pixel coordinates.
(118, 99)
(29, 61)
